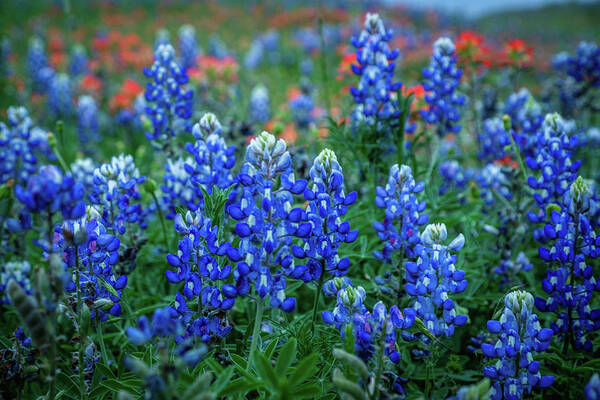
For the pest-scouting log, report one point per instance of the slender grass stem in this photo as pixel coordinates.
(260, 307)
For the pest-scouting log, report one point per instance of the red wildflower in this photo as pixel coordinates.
(517, 53)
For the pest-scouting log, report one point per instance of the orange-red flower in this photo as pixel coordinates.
(507, 161)
(126, 96)
(472, 51)
(345, 67)
(517, 53)
(91, 83)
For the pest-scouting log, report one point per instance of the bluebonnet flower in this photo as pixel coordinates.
(178, 189)
(20, 145)
(78, 63)
(508, 269)
(404, 214)
(59, 96)
(197, 264)
(306, 67)
(39, 71)
(553, 159)
(162, 38)
(302, 105)
(87, 120)
(263, 48)
(592, 389)
(82, 170)
(441, 81)
(493, 140)
(521, 337)
(165, 323)
(526, 119)
(17, 270)
(494, 179)
(327, 206)
(432, 277)
(267, 220)
(168, 101)
(49, 192)
(212, 158)
(376, 70)
(116, 194)
(216, 47)
(584, 66)
(454, 176)
(188, 47)
(570, 282)
(260, 105)
(368, 328)
(97, 252)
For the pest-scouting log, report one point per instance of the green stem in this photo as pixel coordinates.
(381, 354)
(317, 298)
(260, 307)
(101, 341)
(434, 157)
(82, 387)
(162, 221)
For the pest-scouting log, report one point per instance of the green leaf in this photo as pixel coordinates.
(286, 357)
(270, 349)
(66, 384)
(240, 385)
(308, 390)
(305, 368)
(265, 370)
(222, 380)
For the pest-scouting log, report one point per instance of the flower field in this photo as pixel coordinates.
(354, 200)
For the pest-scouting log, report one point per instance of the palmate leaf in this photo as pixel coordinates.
(287, 354)
(265, 370)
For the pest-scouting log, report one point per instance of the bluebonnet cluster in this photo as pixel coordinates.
(177, 188)
(441, 81)
(404, 214)
(97, 252)
(188, 47)
(327, 206)
(526, 119)
(264, 48)
(584, 66)
(494, 179)
(432, 277)
(82, 170)
(516, 372)
(553, 160)
(87, 120)
(369, 329)
(21, 143)
(38, 68)
(508, 269)
(493, 140)
(376, 70)
(116, 194)
(216, 47)
(17, 270)
(168, 101)
(570, 282)
(260, 105)
(454, 176)
(166, 325)
(267, 221)
(592, 389)
(302, 105)
(198, 265)
(49, 191)
(78, 63)
(59, 96)
(212, 157)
